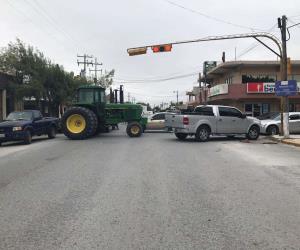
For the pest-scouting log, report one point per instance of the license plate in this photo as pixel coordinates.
(2, 135)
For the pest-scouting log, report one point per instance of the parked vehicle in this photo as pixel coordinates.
(22, 125)
(157, 121)
(213, 119)
(272, 126)
(268, 116)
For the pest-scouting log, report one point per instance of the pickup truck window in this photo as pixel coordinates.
(204, 111)
(232, 112)
(24, 115)
(37, 114)
(158, 117)
(294, 117)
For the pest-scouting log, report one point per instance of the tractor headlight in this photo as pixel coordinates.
(17, 128)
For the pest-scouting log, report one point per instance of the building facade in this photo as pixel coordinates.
(8, 101)
(249, 86)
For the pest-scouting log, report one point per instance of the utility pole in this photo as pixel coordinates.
(176, 96)
(96, 70)
(128, 96)
(283, 71)
(85, 64)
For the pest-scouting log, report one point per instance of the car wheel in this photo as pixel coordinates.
(28, 137)
(181, 136)
(272, 130)
(134, 129)
(202, 133)
(52, 133)
(253, 133)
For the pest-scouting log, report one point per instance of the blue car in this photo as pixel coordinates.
(23, 125)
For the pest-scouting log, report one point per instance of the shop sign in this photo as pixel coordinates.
(286, 88)
(220, 89)
(263, 87)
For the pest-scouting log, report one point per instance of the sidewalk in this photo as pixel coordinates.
(293, 140)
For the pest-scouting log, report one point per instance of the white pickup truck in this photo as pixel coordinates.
(213, 119)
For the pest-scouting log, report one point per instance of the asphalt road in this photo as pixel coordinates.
(153, 192)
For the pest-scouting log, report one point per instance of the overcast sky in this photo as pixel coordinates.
(105, 29)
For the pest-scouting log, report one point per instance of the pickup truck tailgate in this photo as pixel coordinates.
(174, 121)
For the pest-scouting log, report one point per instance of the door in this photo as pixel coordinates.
(230, 121)
(39, 125)
(294, 123)
(156, 122)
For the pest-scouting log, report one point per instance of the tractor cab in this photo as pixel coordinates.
(91, 95)
(93, 98)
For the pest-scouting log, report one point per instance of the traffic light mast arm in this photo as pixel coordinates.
(227, 37)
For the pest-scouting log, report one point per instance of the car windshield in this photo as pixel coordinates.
(15, 116)
(276, 118)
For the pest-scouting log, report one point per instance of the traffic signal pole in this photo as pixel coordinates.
(282, 54)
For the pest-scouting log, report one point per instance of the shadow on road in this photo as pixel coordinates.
(21, 143)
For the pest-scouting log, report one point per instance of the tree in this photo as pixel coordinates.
(27, 66)
(106, 80)
(35, 76)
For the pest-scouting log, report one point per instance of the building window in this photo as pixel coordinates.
(265, 108)
(228, 80)
(257, 109)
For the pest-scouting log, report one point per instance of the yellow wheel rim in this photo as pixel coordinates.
(76, 123)
(135, 130)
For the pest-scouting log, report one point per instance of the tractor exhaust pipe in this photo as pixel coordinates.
(121, 94)
(111, 96)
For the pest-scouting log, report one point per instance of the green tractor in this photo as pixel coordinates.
(91, 115)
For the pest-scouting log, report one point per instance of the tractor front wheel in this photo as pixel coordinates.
(79, 123)
(134, 129)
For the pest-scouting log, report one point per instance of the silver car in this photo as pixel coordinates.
(272, 126)
(157, 121)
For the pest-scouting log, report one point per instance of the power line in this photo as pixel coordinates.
(22, 13)
(254, 45)
(51, 22)
(156, 80)
(211, 17)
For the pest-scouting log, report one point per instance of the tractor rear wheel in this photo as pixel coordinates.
(134, 129)
(79, 123)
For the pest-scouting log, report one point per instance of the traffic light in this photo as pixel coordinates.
(162, 48)
(289, 66)
(137, 51)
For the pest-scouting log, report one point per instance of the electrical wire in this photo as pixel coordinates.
(211, 17)
(51, 22)
(254, 45)
(155, 80)
(22, 13)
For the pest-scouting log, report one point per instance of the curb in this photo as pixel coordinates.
(296, 144)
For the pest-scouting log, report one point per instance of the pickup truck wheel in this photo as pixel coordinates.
(272, 130)
(134, 129)
(202, 133)
(79, 123)
(27, 137)
(253, 133)
(52, 132)
(181, 136)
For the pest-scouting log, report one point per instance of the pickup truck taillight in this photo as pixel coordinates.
(186, 120)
